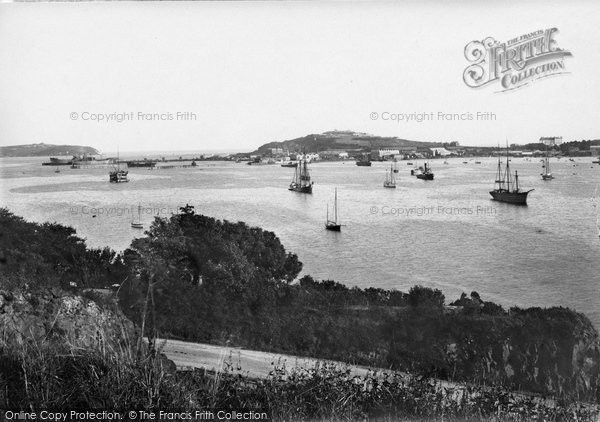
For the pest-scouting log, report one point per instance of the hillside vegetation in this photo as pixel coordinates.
(336, 140)
(192, 277)
(45, 150)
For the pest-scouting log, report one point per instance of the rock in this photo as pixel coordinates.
(54, 315)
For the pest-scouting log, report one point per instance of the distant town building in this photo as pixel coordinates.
(384, 153)
(333, 153)
(308, 157)
(551, 140)
(440, 152)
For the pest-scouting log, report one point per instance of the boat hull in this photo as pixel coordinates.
(517, 198)
(363, 163)
(333, 227)
(118, 176)
(426, 176)
(301, 189)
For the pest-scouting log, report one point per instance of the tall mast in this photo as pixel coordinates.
(507, 168)
(499, 178)
(295, 179)
(335, 206)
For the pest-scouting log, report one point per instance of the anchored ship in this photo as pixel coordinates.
(118, 175)
(390, 181)
(333, 225)
(505, 189)
(301, 181)
(546, 175)
(425, 173)
(364, 161)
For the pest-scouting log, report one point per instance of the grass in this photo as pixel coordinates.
(44, 375)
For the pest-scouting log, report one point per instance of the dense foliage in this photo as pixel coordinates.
(199, 279)
(51, 255)
(227, 283)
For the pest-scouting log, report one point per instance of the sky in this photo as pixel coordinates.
(247, 73)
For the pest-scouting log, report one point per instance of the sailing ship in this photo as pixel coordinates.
(390, 181)
(364, 161)
(507, 190)
(301, 181)
(546, 175)
(138, 224)
(333, 225)
(425, 173)
(118, 175)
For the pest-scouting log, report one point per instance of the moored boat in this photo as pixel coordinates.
(390, 181)
(424, 173)
(301, 182)
(546, 174)
(137, 224)
(505, 190)
(118, 175)
(364, 161)
(333, 225)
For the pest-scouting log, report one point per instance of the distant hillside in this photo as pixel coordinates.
(341, 140)
(45, 150)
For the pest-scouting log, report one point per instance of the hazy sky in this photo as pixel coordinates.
(270, 71)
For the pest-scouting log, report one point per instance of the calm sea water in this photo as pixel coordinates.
(445, 233)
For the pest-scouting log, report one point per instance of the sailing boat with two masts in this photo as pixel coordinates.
(546, 175)
(118, 175)
(390, 180)
(301, 181)
(505, 189)
(333, 225)
(138, 224)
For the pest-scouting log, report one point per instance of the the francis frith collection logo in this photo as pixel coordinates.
(514, 63)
